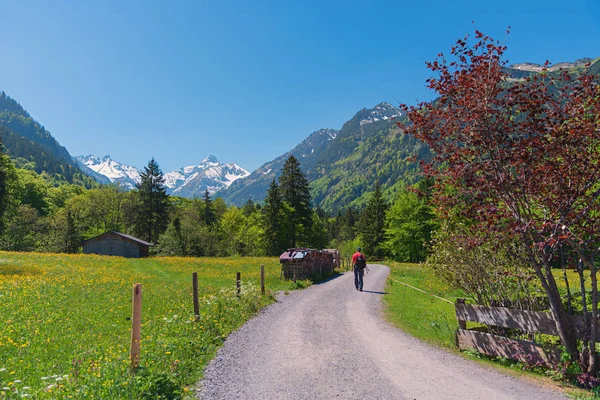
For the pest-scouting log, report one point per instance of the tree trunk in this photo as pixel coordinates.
(563, 325)
(585, 342)
(593, 367)
(566, 278)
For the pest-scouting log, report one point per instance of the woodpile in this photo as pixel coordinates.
(307, 263)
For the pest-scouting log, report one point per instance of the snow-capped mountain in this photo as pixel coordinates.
(126, 175)
(210, 174)
(191, 181)
(381, 111)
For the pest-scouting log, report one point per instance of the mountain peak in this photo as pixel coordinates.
(210, 159)
(382, 111)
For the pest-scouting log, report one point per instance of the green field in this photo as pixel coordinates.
(420, 314)
(65, 322)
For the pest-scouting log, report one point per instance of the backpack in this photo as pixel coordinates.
(361, 263)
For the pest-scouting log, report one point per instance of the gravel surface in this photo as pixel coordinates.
(330, 341)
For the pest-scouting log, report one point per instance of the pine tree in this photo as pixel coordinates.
(371, 224)
(153, 206)
(273, 224)
(210, 217)
(295, 192)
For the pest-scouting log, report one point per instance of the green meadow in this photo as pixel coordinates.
(65, 322)
(417, 313)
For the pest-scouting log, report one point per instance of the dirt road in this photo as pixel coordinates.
(330, 341)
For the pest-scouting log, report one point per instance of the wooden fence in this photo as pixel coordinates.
(528, 322)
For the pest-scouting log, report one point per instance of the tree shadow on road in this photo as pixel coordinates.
(335, 275)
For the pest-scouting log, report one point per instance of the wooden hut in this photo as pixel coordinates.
(304, 263)
(116, 244)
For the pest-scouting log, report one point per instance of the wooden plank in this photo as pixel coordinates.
(498, 346)
(527, 321)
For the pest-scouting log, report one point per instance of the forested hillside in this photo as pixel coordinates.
(342, 166)
(31, 146)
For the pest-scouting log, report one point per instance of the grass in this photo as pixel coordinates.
(434, 321)
(420, 314)
(65, 322)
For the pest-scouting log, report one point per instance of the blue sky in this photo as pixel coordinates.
(247, 80)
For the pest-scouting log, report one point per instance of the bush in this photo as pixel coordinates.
(484, 269)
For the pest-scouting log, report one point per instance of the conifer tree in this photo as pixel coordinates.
(210, 217)
(371, 223)
(295, 192)
(273, 223)
(153, 203)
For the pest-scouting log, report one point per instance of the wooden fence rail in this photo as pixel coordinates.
(525, 321)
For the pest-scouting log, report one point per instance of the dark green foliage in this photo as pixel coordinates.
(249, 208)
(410, 222)
(275, 236)
(294, 191)
(153, 207)
(210, 216)
(371, 225)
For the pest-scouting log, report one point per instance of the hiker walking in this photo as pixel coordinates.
(360, 263)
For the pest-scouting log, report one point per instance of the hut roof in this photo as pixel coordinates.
(294, 254)
(128, 237)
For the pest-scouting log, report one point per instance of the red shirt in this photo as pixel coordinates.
(355, 256)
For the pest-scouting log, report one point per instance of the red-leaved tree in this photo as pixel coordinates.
(521, 157)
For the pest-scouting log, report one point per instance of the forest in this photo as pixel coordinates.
(43, 214)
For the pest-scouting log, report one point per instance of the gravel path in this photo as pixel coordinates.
(329, 341)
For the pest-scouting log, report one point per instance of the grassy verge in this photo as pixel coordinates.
(433, 320)
(420, 314)
(65, 322)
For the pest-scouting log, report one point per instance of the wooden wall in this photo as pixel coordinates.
(115, 245)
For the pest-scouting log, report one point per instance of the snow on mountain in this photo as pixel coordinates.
(210, 174)
(317, 140)
(381, 111)
(125, 175)
(190, 181)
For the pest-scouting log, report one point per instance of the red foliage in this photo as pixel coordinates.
(524, 155)
(520, 157)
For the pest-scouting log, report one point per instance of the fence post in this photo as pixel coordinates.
(461, 324)
(262, 279)
(238, 283)
(136, 323)
(295, 269)
(195, 290)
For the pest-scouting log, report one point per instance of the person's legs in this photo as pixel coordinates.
(361, 273)
(356, 273)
